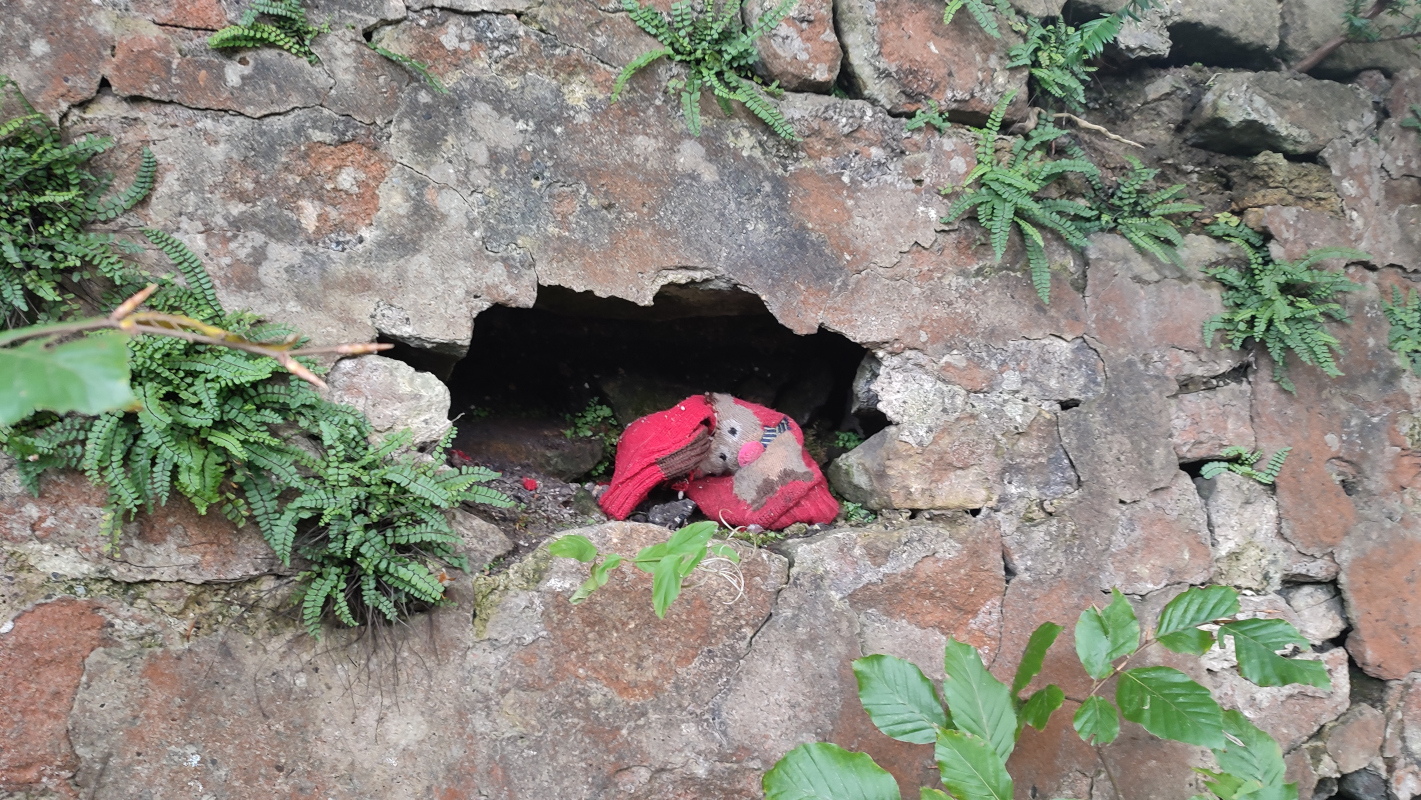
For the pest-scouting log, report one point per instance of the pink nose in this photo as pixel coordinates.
(750, 452)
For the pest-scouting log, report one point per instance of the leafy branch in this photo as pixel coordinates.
(1361, 26)
(976, 733)
(90, 375)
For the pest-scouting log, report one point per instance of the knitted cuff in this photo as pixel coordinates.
(682, 461)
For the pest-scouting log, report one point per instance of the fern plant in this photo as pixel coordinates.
(414, 65)
(1139, 215)
(380, 530)
(932, 115)
(596, 421)
(283, 24)
(1057, 54)
(278, 23)
(717, 56)
(1240, 460)
(225, 428)
(47, 199)
(1283, 305)
(1095, 34)
(1006, 194)
(982, 12)
(1404, 314)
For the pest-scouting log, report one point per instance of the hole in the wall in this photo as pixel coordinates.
(1067, 405)
(531, 368)
(1196, 43)
(1364, 688)
(440, 364)
(1345, 474)
(1195, 469)
(1238, 374)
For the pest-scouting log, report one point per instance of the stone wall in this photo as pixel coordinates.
(1037, 455)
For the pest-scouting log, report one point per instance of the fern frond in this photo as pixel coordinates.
(1097, 33)
(979, 10)
(413, 65)
(1036, 261)
(136, 191)
(635, 64)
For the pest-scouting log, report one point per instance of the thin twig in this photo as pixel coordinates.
(125, 318)
(1091, 126)
(1099, 754)
(1326, 48)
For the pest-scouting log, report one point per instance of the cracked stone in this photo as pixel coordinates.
(1159, 541)
(1247, 113)
(1206, 423)
(56, 52)
(61, 532)
(175, 65)
(1355, 740)
(899, 54)
(42, 656)
(1248, 550)
(394, 396)
(803, 51)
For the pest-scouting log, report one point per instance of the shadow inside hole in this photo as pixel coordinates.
(529, 370)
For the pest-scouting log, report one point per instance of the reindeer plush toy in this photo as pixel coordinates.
(741, 463)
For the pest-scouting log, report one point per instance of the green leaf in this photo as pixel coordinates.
(1177, 628)
(1170, 705)
(693, 538)
(1040, 706)
(597, 580)
(980, 704)
(1102, 637)
(1035, 653)
(1097, 717)
(930, 793)
(1192, 641)
(726, 552)
(666, 580)
(88, 375)
(1093, 644)
(690, 540)
(899, 699)
(1255, 643)
(1195, 607)
(1224, 785)
(1250, 753)
(971, 768)
(823, 771)
(574, 546)
(1122, 626)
